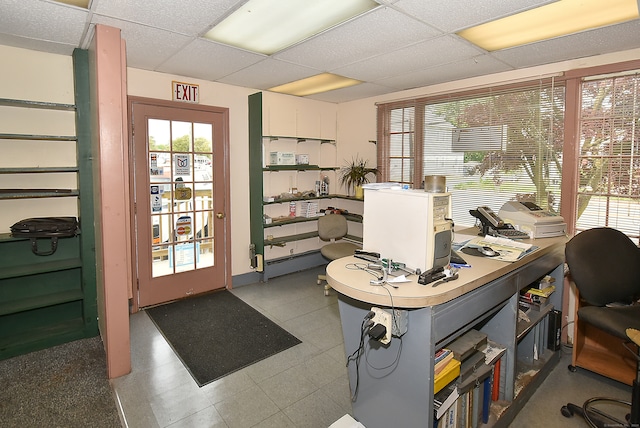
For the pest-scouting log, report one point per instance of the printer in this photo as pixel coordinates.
(530, 218)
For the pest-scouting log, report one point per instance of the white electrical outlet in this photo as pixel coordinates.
(383, 317)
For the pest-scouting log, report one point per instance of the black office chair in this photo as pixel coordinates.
(332, 228)
(605, 267)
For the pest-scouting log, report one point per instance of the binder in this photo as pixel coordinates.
(466, 344)
(448, 374)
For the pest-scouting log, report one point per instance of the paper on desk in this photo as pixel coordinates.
(509, 249)
(398, 279)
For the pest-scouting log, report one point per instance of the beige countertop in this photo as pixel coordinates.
(345, 277)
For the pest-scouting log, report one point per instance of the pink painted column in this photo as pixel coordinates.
(111, 163)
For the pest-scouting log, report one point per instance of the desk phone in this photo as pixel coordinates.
(493, 225)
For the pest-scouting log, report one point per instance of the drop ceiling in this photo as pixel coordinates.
(400, 45)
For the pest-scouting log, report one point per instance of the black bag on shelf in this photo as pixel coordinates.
(45, 227)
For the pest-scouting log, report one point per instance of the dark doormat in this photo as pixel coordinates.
(215, 334)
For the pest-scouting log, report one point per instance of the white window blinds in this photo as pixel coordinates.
(493, 146)
(609, 159)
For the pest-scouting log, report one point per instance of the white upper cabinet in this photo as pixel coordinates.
(285, 115)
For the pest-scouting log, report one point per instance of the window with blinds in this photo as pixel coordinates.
(401, 146)
(609, 158)
(493, 146)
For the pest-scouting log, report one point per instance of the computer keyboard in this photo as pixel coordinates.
(512, 234)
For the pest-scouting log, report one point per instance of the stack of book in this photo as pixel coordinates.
(465, 401)
(535, 298)
(442, 358)
(449, 373)
(444, 386)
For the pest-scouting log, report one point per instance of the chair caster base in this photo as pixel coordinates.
(593, 416)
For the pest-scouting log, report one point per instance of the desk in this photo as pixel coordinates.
(396, 381)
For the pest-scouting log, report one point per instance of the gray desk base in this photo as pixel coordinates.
(395, 382)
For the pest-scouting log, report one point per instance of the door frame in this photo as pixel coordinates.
(226, 257)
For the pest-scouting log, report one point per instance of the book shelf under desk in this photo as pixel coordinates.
(486, 299)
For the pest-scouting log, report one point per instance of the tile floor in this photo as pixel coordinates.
(304, 386)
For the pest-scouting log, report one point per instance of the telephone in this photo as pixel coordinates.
(491, 224)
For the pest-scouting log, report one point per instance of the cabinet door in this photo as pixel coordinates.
(279, 116)
(328, 123)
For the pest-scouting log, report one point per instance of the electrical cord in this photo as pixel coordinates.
(355, 355)
(367, 324)
(363, 267)
(394, 320)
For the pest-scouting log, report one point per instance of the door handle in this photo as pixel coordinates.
(220, 215)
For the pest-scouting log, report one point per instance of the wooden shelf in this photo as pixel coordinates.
(294, 220)
(266, 127)
(38, 137)
(300, 139)
(37, 193)
(37, 104)
(278, 241)
(34, 269)
(535, 317)
(309, 198)
(38, 170)
(16, 306)
(39, 338)
(50, 300)
(304, 167)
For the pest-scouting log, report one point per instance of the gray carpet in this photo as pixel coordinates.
(63, 386)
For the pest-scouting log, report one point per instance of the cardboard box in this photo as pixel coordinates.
(282, 158)
(302, 159)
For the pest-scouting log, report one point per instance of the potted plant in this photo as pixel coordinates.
(355, 174)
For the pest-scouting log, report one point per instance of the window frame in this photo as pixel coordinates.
(571, 79)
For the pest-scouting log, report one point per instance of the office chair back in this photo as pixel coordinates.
(332, 226)
(605, 266)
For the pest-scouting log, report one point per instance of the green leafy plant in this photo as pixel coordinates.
(356, 173)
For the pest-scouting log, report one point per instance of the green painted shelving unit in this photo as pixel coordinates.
(49, 300)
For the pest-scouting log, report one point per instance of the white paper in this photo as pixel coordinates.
(346, 422)
(398, 279)
(509, 250)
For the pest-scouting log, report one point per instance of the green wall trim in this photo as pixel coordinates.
(255, 172)
(85, 184)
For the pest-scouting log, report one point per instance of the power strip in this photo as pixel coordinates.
(384, 318)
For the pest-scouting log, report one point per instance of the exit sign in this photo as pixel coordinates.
(185, 92)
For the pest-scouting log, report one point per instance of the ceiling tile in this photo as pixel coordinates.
(381, 30)
(147, 47)
(208, 60)
(364, 90)
(268, 73)
(478, 66)
(415, 57)
(44, 21)
(36, 45)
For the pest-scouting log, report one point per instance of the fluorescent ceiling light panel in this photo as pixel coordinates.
(268, 26)
(80, 3)
(315, 84)
(552, 20)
